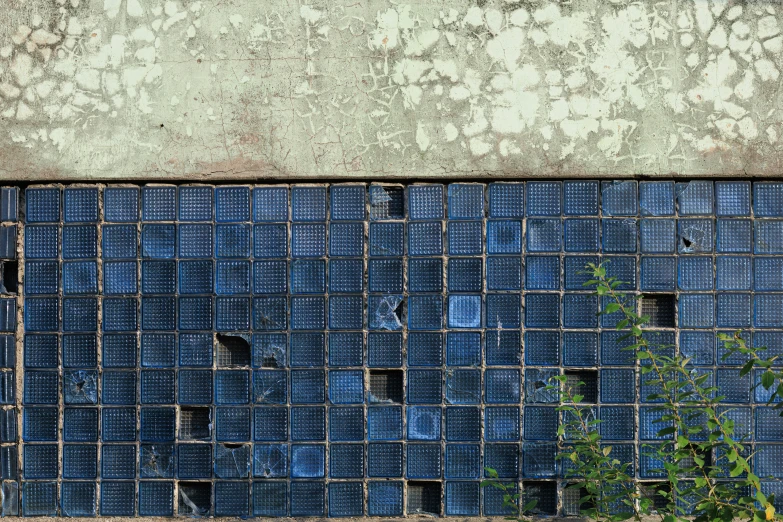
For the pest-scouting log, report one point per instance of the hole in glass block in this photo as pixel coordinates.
(233, 350)
(386, 386)
(660, 309)
(194, 498)
(545, 495)
(424, 498)
(195, 423)
(387, 202)
(10, 277)
(658, 493)
(584, 383)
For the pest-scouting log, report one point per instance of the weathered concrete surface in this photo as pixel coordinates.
(184, 89)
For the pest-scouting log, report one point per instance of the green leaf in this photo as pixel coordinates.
(530, 505)
(767, 379)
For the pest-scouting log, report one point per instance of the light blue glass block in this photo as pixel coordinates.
(766, 461)
(463, 461)
(386, 239)
(157, 387)
(41, 387)
(346, 499)
(462, 348)
(501, 386)
(346, 275)
(270, 499)
(119, 425)
(544, 235)
(425, 312)
(463, 423)
(506, 200)
(43, 204)
(542, 272)
(695, 198)
(501, 423)
(768, 272)
(768, 199)
(307, 386)
(308, 276)
(384, 312)
(41, 314)
(618, 198)
(697, 311)
(270, 277)
(80, 205)
(580, 198)
(270, 204)
(542, 310)
(347, 202)
(271, 424)
(650, 424)
(503, 458)
(503, 347)
(384, 423)
(40, 461)
(734, 235)
(41, 242)
(270, 240)
(732, 198)
(581, 235)
(42, 277)
(425, 239)
(347, 239)
(768, 310)
(539, 460)
(698, 346)
(618, 386)
(425, 275)
(504, 237)
(580, 311)
(619, 235)
(463, 386)
(733, 273)
(118, 461)
(423, 461)
(580, 349)
(232, 499)
(119, 277)
(308, 460)
(384, 499)
(503, 311)
(425, 202)
(464, 311)
(195, 203)
(80, 241)
(769, 424)
(540, 423)
(768, 237)
(346, 387)
(695, 273)
(39, 499)
(465, 238)
(387, 202)
(536, 382)
(385, 275)
(466, 201)
(39, 424)
(346, 461)
(617, 422)
(308, 240)
(308, 203)
(158, 203)
(121, 204)
(462, 498)
(426, 348)
(733, 310)
(40, 351)
(542, 348)
(658, 236)
(424, 423)
(384, 350)
(504, 273)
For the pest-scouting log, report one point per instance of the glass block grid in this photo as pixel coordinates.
(359, 349)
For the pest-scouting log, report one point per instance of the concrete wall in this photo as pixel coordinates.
(196, 89)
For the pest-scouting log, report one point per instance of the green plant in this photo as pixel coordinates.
(704, 471)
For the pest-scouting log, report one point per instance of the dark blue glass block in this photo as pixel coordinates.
(697, 311)
(384, 460)
(195, 241)
(463, 461)
(270, 499)
(769, 424)
(506, 200)
(269, 386)
(542, 272)
(41, 387)
(119, 241)
(118, 498)
(501, 386)
(346, 275)
(424, 423)
(308, 276)
(347, 239)
(308, 203)
(425, 239)
(233, 386)
(581, 235)
(539, 460)
(466, 201)
(463, 423)
(695, 198)
(544, 235)
(695, 273)
(232, 424)
(346, 461)
(8, 315)
(617, 422)
(658, 274)
(386, 239)
(121, 204)
(232, 204)
(503, 347)
(658, 236)
(80, 386)
(308, 461)
(733, 310)
(157, 313)
(768, 310)
(542, 311)
(504, 273)
(80, 314)
(118, 461)
(39, 499)
(347, 202)
(424, 275)
(768, 273)
(41, 314)
(385, 275)
(269, 313)
(308, 423)
(120, 277)
(9, 202)
(425, 312)
(733, 387)
(43, 204)
(346, 499)
(580, 311)
(384, 350)
(345, 387)
(614, 349)
(463, 386)
(232, 499)
(581, 198)
(232, 313)
(269, 460)
(270, 277)
(772, 341)
(384, 498)
(495, 502)
(8, 241)
(156, 461)
(503, 458)
(307, 499)
(580, 349)
(465, 274)
(387, 202)
(462, 498)
(656, 198)
(270, 204)
(40, 351)
(41, 242)
(424, 348)
(233, 240)
(308, 313)
(194, 387)
(503, 311)
(158, 241)
(158, 203)
(80, 424)
(768, 199)
(196, 349)
(540, 423)
(80, 241)
(195, 203)
(425, 202)
(504, 237)
(542, 348)
(270, 424)
(465, 238)
(40, 461)
(384, 423)
(766, 461)
(308, 240)
(734, 236)
(543, 198)
(423, 461)
(80, 205)
(346, 349)
(157, 387)
(40, 424)
(619, 235)
(464, 311)
(699, 346)
(651, 423)
(41, 277)
(158, 277)
(158, 424)
(118, 424)
(156, 498)
(195, 313)
(501, 423)
(618, 198)
(270, 240)
(424, 387)
(8, 354)
(307, 349)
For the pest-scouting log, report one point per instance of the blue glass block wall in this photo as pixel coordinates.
(359, 349)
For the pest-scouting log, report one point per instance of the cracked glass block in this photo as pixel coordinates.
(80, 205)
(269, 386)
(347, 202)
(308, 203)
(80, 387)
(695, 198)
(466, 201)
(384, 498)
(347, 239)
(43, 204)
(232, 461)
(346, 499)
(195, 203)
(504, 237)
(463, 386)
(387, 202)
(656, 198)
(618, 198)
(580, 198)
(232, 204)
(156, 461)
(537, 381)
(270, 460)
(270, 204)
(384, 460)
(270, 240)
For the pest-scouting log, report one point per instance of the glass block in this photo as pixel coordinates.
(542, 273)
(41, 387)
(307, 423)
(425, 275)
(233, 240)
(424, 387)
(425, 312)
(307, 349)
(580, 311)
(580, 198)
(696, 311)
(504, 273)
(195, 241)
(347, 239)
(384, 498)
(542, 348)
(80, 241)
(658, 274)
(270, 460)
(695, 273)
(157, 387)
(119, 425)
(120, 277)
(462, 498)
(465, 274)
(232, 424)
(463, 423)
(157, 424)
(698, 346)
(465, 238)
(581, 235)
(39, 424)
(463, 386)
(540, 423)
(39, 499)
(195, 203)
(425, 239)
(732, 387)
(771, 340)
(387, 202)
(118, 461)
(156, 461)
(346, 275)
(80, 387)
(308, 240)
(768, 273)
(619, 235)
(270, 386)
(269, 313)
(41, 314)
(118, 498)
(494, 502)
(346, 387)
(195, 349)
(232, 313)
(539, 460)
(542, 310)
(466, 201)
(503, 458)
(8, 237)
(506, 200)
(156, 498)
(346, 499)
(270, 499)
(463, 348)
(732, 198)
(768, 310)
(618, 198)
(346, 349)
(158, 241)
(734, 235)
(657, 236)
(232, 204)
(463, 461)
(346, 461)
(307, 499)
(308, 276)
(501, 386)
(41, 242)
(650, 424)
(194, 387)
(233, 386)
(768, 199)
(121, 204)
(618, 386)
(423, 461)
(385, 275)
(80, 424)
(656, 198)
(769, 424)
(119, 241)
(617, 422)
(580, 349)
(501, 423)
(347, 202)
(536, 382)
(308, 460)
(40, 351)
(308, 203)
(464, 311)
(384, 423)
(270, 240)
(270, 424)
(503, 311)
(695, 198)
(158, 203)
(80, 205)
(43, 204)
(544, 235)
(504, 237)
(544, 198)
(425, 202)
(384, 460)
(41, 277)
(40, 461)
(9, 202)
(270, 204)
(384, 350)
(503, 347)
(733, 310)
